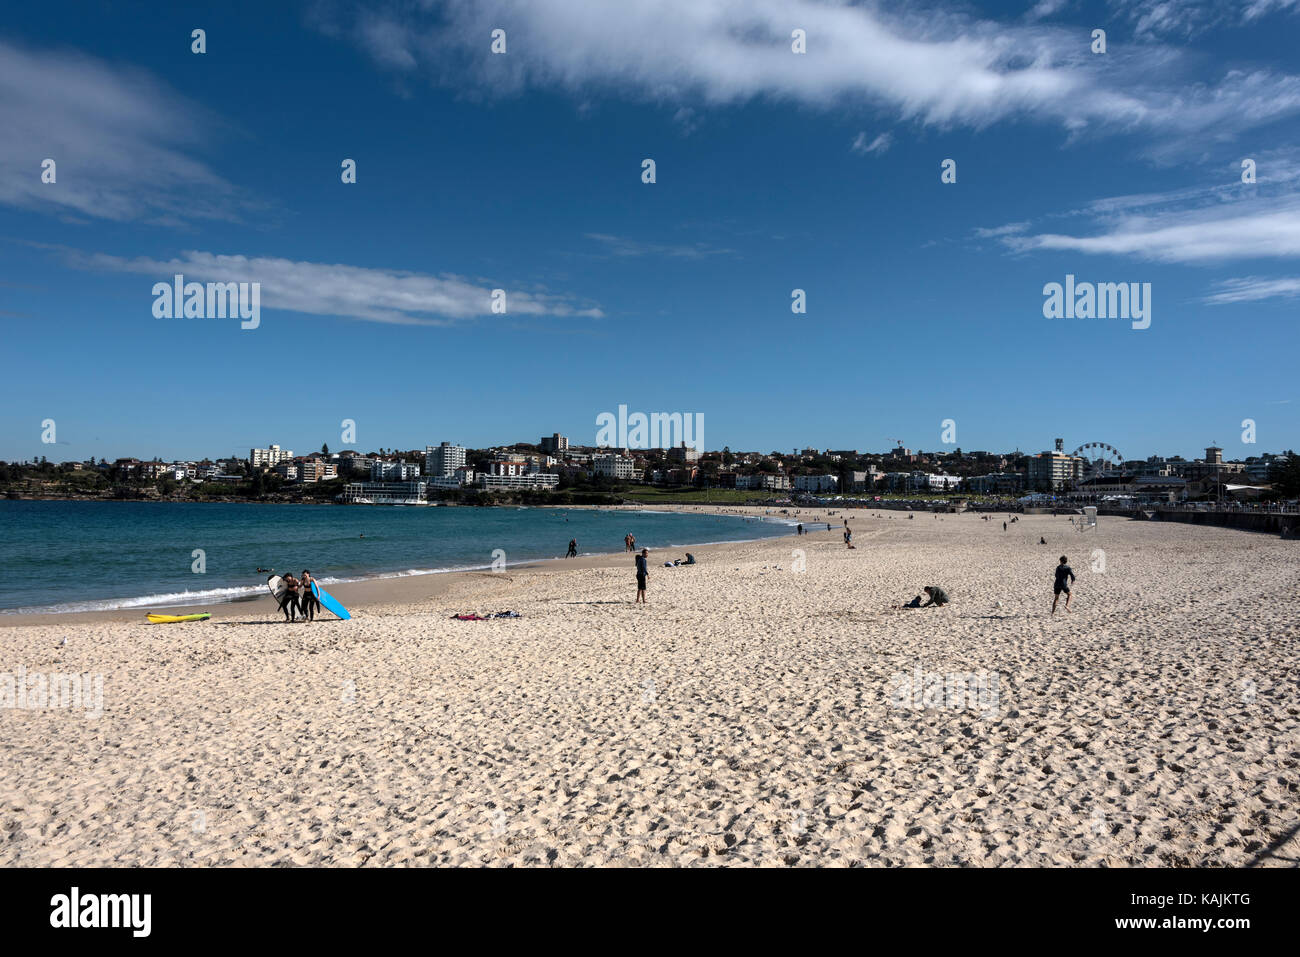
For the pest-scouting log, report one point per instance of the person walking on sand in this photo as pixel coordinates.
(308, 601)
(573, 548)
(289, 604)
(1004, 526)
(642, 573)
(1064, 575)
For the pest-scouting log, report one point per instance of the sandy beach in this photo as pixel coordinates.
(767, 707)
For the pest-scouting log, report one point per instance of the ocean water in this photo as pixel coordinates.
(88, 556)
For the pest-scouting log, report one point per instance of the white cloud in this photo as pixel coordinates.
(878, 145)
(1219, 219)
(928, 65)
(1046, 8)
(121, 142)
(1188, 18)
(1246, 230)
(323, 289)
(999, 232)
(1253, 289)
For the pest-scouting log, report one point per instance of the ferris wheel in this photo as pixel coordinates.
(1099, 457)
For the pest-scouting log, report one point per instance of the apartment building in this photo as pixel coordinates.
(269, 458)
(443, 459)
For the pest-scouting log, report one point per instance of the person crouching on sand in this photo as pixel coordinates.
(938, 596)
(1064, 575)
(642, 574)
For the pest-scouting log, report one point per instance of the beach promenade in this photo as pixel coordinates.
(768, 706)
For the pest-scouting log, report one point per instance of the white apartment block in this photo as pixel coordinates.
(816, 483)
(269, 457)
(613, 466)
(539, 480)
(764, 480)
(381, 471)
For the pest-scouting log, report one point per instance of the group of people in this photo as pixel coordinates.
(1061, 586)
(298, 597)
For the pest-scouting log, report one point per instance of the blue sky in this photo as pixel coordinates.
(775, 171)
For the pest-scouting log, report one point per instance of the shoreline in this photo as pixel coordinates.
(395, 587)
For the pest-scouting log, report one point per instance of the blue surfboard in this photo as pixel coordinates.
(329, 601)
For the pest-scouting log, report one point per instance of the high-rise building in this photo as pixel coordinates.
(554, 443)
(443, 459)
(269, 457)
(1052, 471)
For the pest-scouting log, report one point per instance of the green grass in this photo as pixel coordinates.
(693, 496)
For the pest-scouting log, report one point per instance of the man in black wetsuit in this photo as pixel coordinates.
(642, 573)
(1064, 575)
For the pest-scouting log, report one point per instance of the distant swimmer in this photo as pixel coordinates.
(1064, 575)
(267, 570)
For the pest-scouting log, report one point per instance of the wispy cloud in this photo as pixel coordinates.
(864, 147)
(1253, 289)
(687, 120)
(1220, 218)
(1045, 8)
(121, 141)
(1188, 18)
(622, 247)
(928, 65)
(1000, 232)
(353, 292)
(1240, 231)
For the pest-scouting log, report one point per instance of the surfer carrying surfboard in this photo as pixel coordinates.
(289, 604)
(309, 603)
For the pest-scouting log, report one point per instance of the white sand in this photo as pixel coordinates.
(742, 717)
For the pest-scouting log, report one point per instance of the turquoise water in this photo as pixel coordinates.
(87, 556)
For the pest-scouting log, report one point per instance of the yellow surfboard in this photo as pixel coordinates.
(167, 619)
